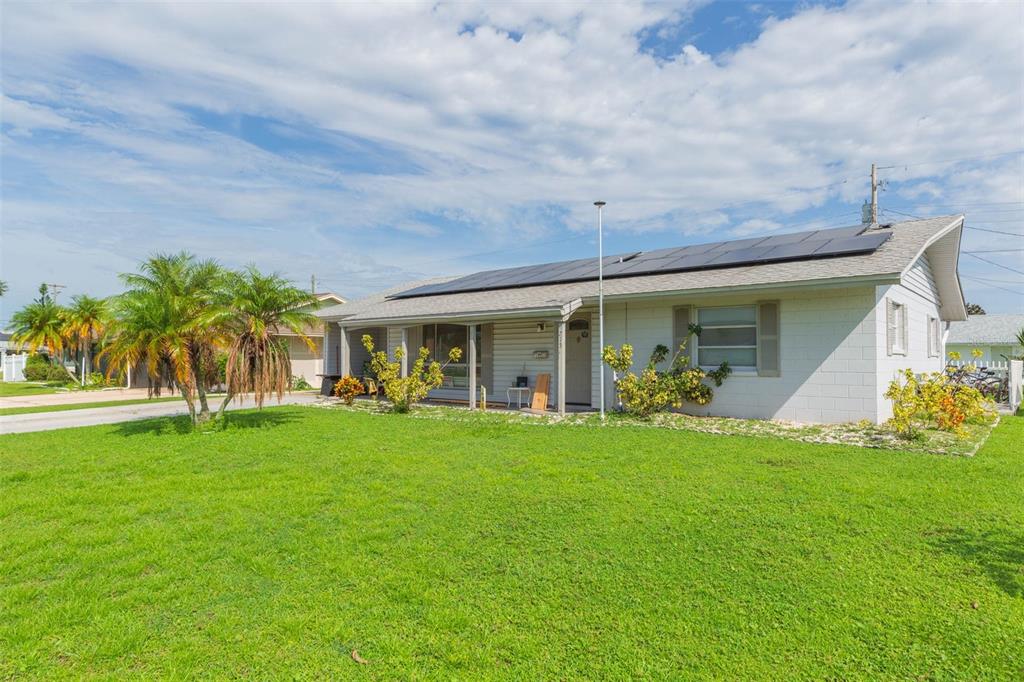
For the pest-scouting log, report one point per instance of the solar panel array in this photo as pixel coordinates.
(841, 241)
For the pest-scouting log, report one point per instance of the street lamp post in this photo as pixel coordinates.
(600, 295)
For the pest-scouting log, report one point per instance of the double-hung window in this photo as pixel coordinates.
(728, 334)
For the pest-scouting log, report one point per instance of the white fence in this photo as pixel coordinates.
(14, 367)
(1000, 367)
(1016, 383)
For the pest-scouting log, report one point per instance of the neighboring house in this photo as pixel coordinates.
(307, 363)
(814, 324)
(993, 335)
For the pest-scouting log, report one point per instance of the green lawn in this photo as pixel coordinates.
(474, 550)
(7, 411)
(14, 388)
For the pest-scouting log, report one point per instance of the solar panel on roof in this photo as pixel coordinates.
(751, 251)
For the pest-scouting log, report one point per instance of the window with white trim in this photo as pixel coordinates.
(728, 334)
(896, 327)
(934, 337)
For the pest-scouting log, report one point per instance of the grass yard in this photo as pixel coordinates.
(7, 411)
(15, 388)
(445, 550)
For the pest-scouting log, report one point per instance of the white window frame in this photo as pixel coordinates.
(896, 331)
(743, 369)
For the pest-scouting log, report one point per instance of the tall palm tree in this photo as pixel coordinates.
(162, 321)
(84, 321)
(38, 325)
(3, 287)
(256, 308)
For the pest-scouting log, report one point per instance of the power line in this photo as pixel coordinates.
(1012, 291)
(982, 229)
(998, 281)
(998, 265)
(969, 158)
(995, 251)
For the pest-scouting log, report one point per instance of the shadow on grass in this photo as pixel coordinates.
(999, 553)
(181, 425)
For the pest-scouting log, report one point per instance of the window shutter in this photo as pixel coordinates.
(681, 330)
(890, 326)
(904, 348)
(768, 349)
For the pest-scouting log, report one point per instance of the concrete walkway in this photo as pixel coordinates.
(74, 397)
(47, 421)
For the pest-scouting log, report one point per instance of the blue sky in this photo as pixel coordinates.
(371, 145)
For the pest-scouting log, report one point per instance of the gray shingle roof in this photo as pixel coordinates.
(987, 330)
(908, 240)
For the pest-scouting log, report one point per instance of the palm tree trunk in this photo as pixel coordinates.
(200, 379)
(224, 405)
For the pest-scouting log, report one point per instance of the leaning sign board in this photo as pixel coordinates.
(540, 394)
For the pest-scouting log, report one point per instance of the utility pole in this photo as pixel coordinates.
(874, 195)
(54, 289)
(312, 284)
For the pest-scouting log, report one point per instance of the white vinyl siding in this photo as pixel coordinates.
(920, 280)
(515, 344)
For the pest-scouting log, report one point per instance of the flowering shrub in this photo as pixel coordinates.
(653, 391)
(347, 388)
(934, 398)
(404, 392)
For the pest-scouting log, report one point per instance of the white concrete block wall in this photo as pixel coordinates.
(828, 354)
(916, 356)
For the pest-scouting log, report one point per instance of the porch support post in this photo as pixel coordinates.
(403, 343)
(471, 368)
(325, 350)
(343, 352)
(560, 366)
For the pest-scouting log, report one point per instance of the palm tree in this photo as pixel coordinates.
(84, 321)
(162, 322)
(3, 287)
(256, 308)
(39, 325)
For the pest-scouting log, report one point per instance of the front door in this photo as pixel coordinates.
(577, 360)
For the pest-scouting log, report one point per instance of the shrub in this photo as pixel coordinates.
(347, 388)
(918, 402)
(653, 391)
(56, 372)
(300, 384)
(404, 392)
(36, 368)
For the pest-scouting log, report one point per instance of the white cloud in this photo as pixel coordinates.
(512, 139)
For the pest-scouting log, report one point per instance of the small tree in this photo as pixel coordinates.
(404, 392)
(652, 391)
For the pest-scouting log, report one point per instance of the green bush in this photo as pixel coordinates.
(653, 391)
(300, 384)
(56, 372)
(35, 368)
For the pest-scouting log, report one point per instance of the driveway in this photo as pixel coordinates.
(47, 421)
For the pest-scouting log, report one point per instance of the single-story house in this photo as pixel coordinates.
(814, 324)
(997, 336)
(306, 363)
